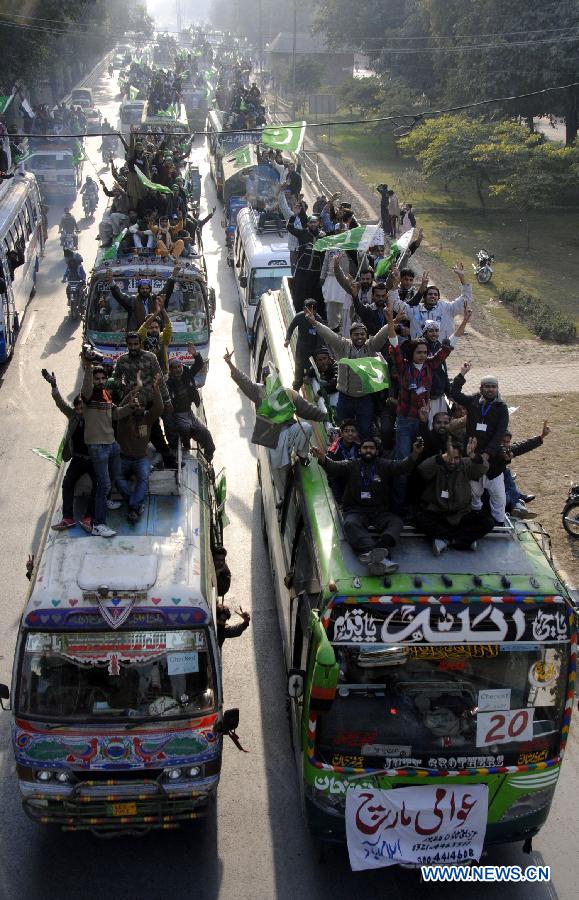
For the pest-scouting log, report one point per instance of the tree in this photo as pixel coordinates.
(308, 79)
(363, 95)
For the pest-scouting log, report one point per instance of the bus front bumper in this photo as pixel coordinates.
(114, 807)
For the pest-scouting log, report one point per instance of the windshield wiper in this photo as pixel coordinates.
(144, 720)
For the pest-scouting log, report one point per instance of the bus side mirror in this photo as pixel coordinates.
(229, 722)
(243, 281)
(295, 683)
(4, 695)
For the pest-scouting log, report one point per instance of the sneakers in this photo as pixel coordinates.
(439, 545)
(102, 531)
(379, 562)
(520, 511)
(63, 525)
(114, 504)
(527, 498)
(86, 523)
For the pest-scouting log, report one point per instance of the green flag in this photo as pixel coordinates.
(152, 185)
(79, 154)
(133, 92)
(284, 137)
(111, 252)
(57, 460)
(397, 249)
(359, 238)
(5, 102)
(372, 372)
(277, 406)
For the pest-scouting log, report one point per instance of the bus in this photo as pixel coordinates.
(131, 113)
(21, 229)
(222, 142)
(117, 699)
(190, 307)
(452, 674)
(261, 260)
(58, 165)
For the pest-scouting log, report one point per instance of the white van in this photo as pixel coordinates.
(131, 112)
(261, 260)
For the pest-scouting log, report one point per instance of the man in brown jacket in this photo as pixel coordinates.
(280, 437)
(446, 515)
(134, 434)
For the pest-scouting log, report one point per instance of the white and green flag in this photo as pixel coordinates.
(152, 185)
(133, 92)
(46, 454)
(277, 405)
(359, 238)
(372, 372)
(112, 251)
(241, 158)
(397, 250)
(284, 137)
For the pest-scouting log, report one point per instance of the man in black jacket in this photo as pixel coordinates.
(487, 420)
(182, 422)
(370, 529)
(306, 282)
(307, 342)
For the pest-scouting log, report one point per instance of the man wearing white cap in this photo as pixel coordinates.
(487, 420)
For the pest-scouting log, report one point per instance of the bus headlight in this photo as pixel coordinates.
(528, 804)
(44, 775)
(194, 771)
(64, 777)
(172, 774)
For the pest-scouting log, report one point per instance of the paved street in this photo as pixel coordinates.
(255, 846)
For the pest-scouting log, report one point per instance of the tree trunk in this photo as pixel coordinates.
(530, 124)
(570, 116)
(480, 195)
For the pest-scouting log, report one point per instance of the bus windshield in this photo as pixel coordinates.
(132, 115)
(411, 705)
(72, 677)
(107, 319)
(263, 280)
(51, 161)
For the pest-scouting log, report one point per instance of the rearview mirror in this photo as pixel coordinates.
(295, 683)
(243, 281)
(4, 695)
(229, 722)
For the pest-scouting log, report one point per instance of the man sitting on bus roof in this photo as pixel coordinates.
(346, 446)
(144, 303)
(133, 434)
(446, 513)
(370, 529)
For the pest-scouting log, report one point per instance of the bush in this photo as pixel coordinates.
(541, 317)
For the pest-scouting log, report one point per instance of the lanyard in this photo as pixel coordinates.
(368, 478)
(485, 408)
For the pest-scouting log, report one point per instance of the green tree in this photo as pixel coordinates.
(308, 79)
(362, 95)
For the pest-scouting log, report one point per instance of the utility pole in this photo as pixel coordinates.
(294, 42)
(179, 17)
(260, 36)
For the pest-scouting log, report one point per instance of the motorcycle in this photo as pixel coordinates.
(76, 296)
(68, 240)
(483, 269)
(570, 514)
(89, 203)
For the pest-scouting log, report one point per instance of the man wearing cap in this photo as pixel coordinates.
(487, 420)
(145, 302)
(306, 281)
(307, 341)
(352, 402)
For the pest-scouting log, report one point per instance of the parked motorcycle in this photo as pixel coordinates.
(570, 514)
(76, 296)
(483, 269)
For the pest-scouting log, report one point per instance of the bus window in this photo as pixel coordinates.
(260, 361)
(263, 280)
(305, 575)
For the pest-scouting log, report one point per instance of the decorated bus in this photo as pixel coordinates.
(116, 696)
(452, 678)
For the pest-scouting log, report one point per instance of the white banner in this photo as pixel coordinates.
(423, 824)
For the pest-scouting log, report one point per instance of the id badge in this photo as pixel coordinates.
(444, 495)
(365, 495)
(412, 387)
(312, 331)
(421, 390)
(481, 426)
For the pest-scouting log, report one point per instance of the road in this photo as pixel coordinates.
(254, 847)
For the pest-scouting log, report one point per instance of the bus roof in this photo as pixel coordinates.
(508, 561)
(151, 573)
(262, 249)
(147, 266)
(12, 195)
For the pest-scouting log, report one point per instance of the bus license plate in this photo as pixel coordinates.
(123, 809)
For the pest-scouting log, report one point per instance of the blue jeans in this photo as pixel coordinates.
(106, 460)
(511, 489)
(361, 409)
(140, 468)
(405, 432)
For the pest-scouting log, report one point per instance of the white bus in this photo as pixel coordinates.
(131, 112)
(21, 232)
(261, 260)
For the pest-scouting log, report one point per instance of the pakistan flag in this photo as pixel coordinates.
(284, 137)
(277, 406)
(397, 250)
(359, 238)
(372, 372)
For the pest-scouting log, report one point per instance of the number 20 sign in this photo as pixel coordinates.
(504, 727)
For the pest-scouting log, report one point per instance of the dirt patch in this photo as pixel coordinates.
(548, 471)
